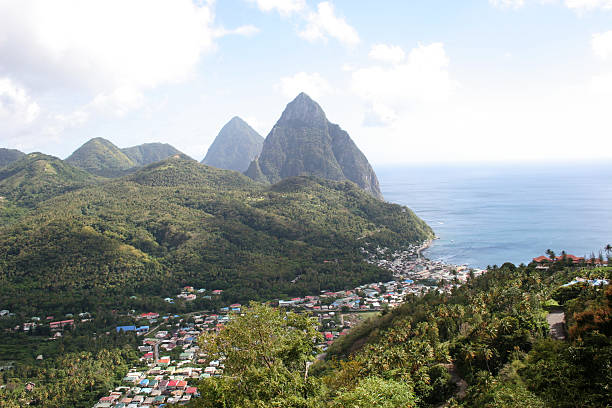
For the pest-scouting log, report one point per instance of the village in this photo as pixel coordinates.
(171, 363)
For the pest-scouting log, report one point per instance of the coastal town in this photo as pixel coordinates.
(171, 362)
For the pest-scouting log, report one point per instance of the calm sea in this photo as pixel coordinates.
(491, 214)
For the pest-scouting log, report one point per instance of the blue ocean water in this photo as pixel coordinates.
(489, 214)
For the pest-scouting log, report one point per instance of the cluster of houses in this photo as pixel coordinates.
(171, 364)
(189, 293)
(56, 326)
(544, 262)
(412, 275)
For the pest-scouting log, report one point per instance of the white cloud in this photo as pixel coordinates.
(582, 5)
(313, 84)
(104, 44)
(602, 84)
(282, 6)
(508, 3)
(324, 23)
(390, 90)
(118, 102)
(602, 44)
(387, 53)
(16, 106)
(103, 55)
(247, 31)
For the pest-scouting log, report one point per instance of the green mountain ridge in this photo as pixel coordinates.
(236, 145)
(148, 153)
(37, 177)
(178, 222)
(304, 142)
(8, 156)
(100, 157)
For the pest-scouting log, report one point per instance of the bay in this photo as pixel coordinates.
(487, 214)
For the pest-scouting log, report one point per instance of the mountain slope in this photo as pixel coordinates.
(7, 156)
(100, 157)
(236, 145)
(178, 222)
(304, 142)
(148, 153)
(37, 177)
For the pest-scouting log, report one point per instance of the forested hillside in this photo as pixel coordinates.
(37, 177)
(100, 157)
(7, 156)
(487, 344)
(177, 223)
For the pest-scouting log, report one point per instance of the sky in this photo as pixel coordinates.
(412, 81)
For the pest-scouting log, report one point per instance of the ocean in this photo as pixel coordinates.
(489, 214)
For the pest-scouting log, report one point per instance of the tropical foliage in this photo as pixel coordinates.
(486, 344)
(129, 243)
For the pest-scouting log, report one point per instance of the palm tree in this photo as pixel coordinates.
(487, 354)
(608, 250)
(469, 354)
(550, 254)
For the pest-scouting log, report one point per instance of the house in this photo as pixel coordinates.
(125, 328)
(61, 324)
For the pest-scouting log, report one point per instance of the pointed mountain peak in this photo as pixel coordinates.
(237, 120)
(304, 142)
(236, 145)
(304, 109)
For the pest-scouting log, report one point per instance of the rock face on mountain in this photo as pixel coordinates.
(7, 156)
(236, 145)
(100, 157)
(151, 152)
(304, 142)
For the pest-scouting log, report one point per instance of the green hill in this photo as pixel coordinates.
(37, 177)
(178, 222)
(7, 156)
(236, 145)
(100, 157)
(148, 153)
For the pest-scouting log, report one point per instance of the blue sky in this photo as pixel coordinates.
(411, 81)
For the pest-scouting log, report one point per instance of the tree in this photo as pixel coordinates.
(377, 392)
(265, 352)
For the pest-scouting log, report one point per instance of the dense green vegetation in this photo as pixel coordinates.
(177, 223)
(73, 380)
(100, 157)
(7, 156)
(148, 153)
(37, 177)
(486, 344)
